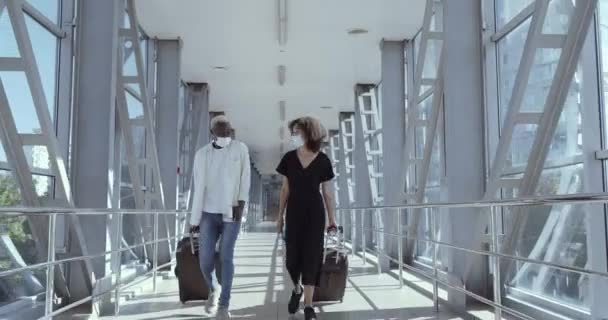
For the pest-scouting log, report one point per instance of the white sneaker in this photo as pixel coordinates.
(213, 300)
(223, 314)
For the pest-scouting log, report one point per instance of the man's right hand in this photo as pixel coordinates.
(194, 229)
(280, 224)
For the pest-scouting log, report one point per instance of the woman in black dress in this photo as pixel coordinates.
(304, 170)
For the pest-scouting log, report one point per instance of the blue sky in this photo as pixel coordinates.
(45, 50)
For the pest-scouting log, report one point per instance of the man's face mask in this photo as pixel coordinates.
(223, 141)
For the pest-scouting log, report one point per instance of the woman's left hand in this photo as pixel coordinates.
(332, 226)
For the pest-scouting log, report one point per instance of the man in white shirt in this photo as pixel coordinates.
(222, 177)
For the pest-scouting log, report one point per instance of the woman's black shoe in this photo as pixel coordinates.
(294, 301)
(309, 313)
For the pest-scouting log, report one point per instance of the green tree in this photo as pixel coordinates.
(9, 192)
(16, 227)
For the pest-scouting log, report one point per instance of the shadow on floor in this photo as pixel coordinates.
(261, 313)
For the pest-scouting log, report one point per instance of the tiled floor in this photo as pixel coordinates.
(261, 291)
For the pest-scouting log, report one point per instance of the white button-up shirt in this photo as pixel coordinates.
(221, 178)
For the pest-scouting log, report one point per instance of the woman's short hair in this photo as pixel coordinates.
(312, 131)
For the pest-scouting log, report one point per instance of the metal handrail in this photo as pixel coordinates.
(51, 262)
(578, 199)
(583, 198)
(83, 212)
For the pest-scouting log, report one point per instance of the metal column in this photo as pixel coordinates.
(392, 100)
(168, 97)
(463, 145)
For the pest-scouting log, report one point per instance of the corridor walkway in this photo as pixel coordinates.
(261, 291)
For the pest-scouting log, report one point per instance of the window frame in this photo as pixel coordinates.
(523, 299)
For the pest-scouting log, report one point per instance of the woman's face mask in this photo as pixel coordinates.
(297, 141)
(223, 142)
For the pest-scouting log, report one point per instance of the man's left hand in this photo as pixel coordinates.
(237, 212)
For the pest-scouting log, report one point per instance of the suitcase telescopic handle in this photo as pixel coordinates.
(333, 230)
(192, 235)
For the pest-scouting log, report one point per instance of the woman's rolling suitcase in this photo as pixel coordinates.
(192, 284)
(334, 272)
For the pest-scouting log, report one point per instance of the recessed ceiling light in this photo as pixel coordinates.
(357, 31)
(220, 68)
(327, 107)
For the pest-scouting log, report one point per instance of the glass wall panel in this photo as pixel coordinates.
(20, 101)
(602, 21)
(521, 145)
(559, 11)
(2, 155)
(49, 8)
(510, 49)
(555, 234)
(17, 245)
(432, 190)
(10, 196)
(508, 9)
(37, 158)
(130, 67)
(45, 46)
(135, 107)
(431, 61)
(8, 45)
(424, 250)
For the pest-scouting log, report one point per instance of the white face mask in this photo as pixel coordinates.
(297, 141)
(223, 142)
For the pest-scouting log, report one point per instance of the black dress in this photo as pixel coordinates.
(305, 221)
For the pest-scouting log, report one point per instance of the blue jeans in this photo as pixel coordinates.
(212, 227)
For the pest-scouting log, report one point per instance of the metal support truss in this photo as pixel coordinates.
(422, 123)
(367, 102)
(144, 168)
(144, 198)
(347, 132)
(545, 120)
(334, 149)
(46, 139)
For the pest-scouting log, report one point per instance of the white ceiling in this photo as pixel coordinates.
(323, 62)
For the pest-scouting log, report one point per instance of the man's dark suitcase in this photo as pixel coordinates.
(334, 272)
(192, 284)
